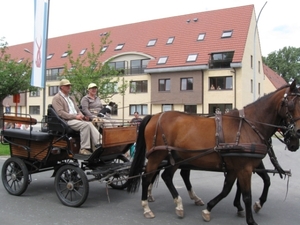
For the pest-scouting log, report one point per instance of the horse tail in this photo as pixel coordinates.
(138, 163)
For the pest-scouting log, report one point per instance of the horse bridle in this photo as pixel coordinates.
(289, 106)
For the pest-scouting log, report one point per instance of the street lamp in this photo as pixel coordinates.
(254, 55)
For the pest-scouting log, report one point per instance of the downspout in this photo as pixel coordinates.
(234, 88)
(202, 92)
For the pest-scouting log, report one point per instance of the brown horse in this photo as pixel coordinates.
(290, 140)
(235, 143)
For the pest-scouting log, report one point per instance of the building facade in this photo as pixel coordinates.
(195, 63)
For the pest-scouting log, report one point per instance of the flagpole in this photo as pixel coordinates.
(45, 61)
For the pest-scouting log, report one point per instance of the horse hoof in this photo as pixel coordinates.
(199, 202)
(257, 206)
(206, 215)
(150, 198)
(149, 215)
(179, 213)
(241, 213)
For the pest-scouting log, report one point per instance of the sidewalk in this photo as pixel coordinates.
(4, 157)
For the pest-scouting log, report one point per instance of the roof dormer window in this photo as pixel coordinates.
(170, 40)
(119, 47)
(192, 57)
(50, 56)
(151, 42)
(104, 48)
(162, 60)
(20, 60)
(82, 51)
(201, 37)
(64, 55)
(227, 34)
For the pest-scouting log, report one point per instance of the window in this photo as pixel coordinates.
(35, 93)
(19, 110)
(201, 37)
(139, 86)
(7, 109)
(50, 56)
(151, 42)
(138, 66)
(82, 51)
(20, 60)
(186, 84)
(53, 74)
(224, 108)
(227, 34)
(119, 47)
(141, 109)
(34, 109)
(162, 60)
(251, 62)
(259, 89)
(170, 40)
(111, 87)
(120, 66)
(103, 34)
(190, 109)
(221, 60)
(220, 83)
(259, 66)
(53, 90)
(164, 85)
(104, 48)
(192, 57)
(167, 107)
(64, 55)
(251, 86)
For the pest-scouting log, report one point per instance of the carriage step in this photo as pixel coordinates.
(81, 157)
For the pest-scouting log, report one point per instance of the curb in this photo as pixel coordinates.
(4, 157)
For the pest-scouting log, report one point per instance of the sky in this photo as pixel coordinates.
(278, 24)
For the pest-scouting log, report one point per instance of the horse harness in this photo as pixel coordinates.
(256, 150)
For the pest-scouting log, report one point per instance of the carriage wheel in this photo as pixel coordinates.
(71, 185)
(119, 181)
(15, 176)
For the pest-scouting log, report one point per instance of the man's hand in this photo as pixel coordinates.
(79, 117)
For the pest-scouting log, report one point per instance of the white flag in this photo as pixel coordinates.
(40, 42)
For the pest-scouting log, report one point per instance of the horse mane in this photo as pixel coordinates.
(262, 98)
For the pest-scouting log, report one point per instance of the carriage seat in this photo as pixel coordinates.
(25, 134)
(57, 125)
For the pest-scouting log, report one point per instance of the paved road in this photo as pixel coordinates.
(40, 205)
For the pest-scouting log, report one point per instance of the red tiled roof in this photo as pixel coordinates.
(275, 79)
(136, 36)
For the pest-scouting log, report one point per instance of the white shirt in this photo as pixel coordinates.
(72, 109)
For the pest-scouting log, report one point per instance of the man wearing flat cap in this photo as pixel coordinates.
(66, 108)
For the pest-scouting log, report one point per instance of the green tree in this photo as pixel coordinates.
(14, 76)
(285, 62)
(84, 69)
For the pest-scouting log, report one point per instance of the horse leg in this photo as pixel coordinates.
(237, 201)
(145, 184)
(227, 186)
(167, 176)
(185, 174)
(245, 185)
(267, 182)
(150, 196)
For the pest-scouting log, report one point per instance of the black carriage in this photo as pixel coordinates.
(57, 149)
